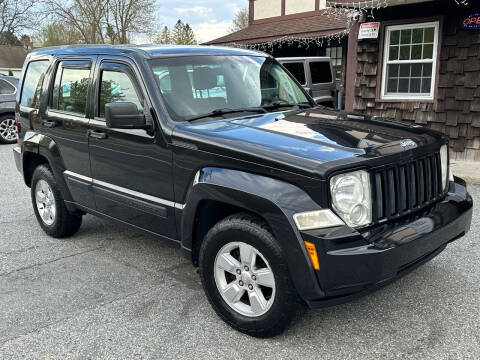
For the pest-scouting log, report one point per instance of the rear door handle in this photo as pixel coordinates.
(96, 134)
(49, 124)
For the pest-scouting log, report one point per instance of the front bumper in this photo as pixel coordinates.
(353, 264)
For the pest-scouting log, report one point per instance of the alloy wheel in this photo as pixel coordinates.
(45, 202)
(244, 279)
(7, 130)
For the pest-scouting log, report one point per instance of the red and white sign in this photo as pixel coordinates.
(369, 30)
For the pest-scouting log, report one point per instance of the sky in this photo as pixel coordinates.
(209, 19)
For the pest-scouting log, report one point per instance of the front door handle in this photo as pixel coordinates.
(49, 124)
(96, 134)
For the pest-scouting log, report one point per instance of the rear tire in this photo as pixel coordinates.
(49, 207)
(7, 129)
(234, 293)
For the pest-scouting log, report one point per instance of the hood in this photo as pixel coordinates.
(308, 139)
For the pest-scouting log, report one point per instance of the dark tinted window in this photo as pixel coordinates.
(6, 88)
(32, 83)
(321, 72)
(297, 70)
(70, 90)
(117, 86)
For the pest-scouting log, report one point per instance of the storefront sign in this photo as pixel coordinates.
(472, 21)
(369, 30)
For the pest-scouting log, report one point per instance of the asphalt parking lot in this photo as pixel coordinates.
(110, 292)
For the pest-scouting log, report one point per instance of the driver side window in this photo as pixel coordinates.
(117, 86)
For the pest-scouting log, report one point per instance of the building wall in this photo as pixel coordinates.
(266, 9)
(456, 108)
(296, 6)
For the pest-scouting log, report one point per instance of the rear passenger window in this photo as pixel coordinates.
(70, 90)
(6, 88)
(297, 70)
(32, 83)
(117, 86)
(321, 72)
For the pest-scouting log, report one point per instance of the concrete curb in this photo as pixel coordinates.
(467, 170)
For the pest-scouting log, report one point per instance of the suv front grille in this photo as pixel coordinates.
(400, 189)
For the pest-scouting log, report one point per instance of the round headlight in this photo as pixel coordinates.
(348, 191)
(351, 197)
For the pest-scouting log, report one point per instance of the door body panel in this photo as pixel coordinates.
(131, 169)
(68, 128)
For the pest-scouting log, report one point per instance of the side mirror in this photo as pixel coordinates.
(124, 115)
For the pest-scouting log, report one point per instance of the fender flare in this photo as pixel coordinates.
(276, 206)
(46, 147)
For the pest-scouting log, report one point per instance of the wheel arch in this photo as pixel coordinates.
(7, 112)
(238, 191)
(40, 149)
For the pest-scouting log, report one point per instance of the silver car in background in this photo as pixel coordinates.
(316, 74)
(8, 90)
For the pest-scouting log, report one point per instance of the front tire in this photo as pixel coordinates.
(49, 207)
(246, 278)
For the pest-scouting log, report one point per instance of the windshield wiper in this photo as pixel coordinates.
(224, 111)
(279, 104)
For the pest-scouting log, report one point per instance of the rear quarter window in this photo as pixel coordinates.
(297, 70)
(32, 83)
(320, 72)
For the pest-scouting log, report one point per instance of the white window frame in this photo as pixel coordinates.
(336, 50)
(433, 61)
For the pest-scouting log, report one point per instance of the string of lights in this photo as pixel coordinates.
(300, 42)
(340, 11)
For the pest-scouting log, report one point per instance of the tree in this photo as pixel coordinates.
(240, 21)
(9, 38)
(58, 34)
(183, 34)
(101, 21)
(15, 16)
(165, 37)
(130, 16)
(85, 16)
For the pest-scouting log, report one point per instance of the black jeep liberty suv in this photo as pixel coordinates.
(280, 202)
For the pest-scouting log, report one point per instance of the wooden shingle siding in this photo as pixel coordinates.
(456, 108)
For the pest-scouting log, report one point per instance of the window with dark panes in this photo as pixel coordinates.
(297, 70)
(336, 54)
(32, 84)
(117, 86)
(70, 89)
(320, 72)
(410, 61)
(6, 88)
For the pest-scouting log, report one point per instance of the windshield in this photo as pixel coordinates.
(200, 85)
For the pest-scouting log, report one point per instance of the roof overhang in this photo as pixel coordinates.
(316, 26)
(368, 4)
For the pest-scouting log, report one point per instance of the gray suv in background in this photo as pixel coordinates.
(8, 89)
(316, 75)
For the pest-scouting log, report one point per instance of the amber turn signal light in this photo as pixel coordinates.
(312, 253)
